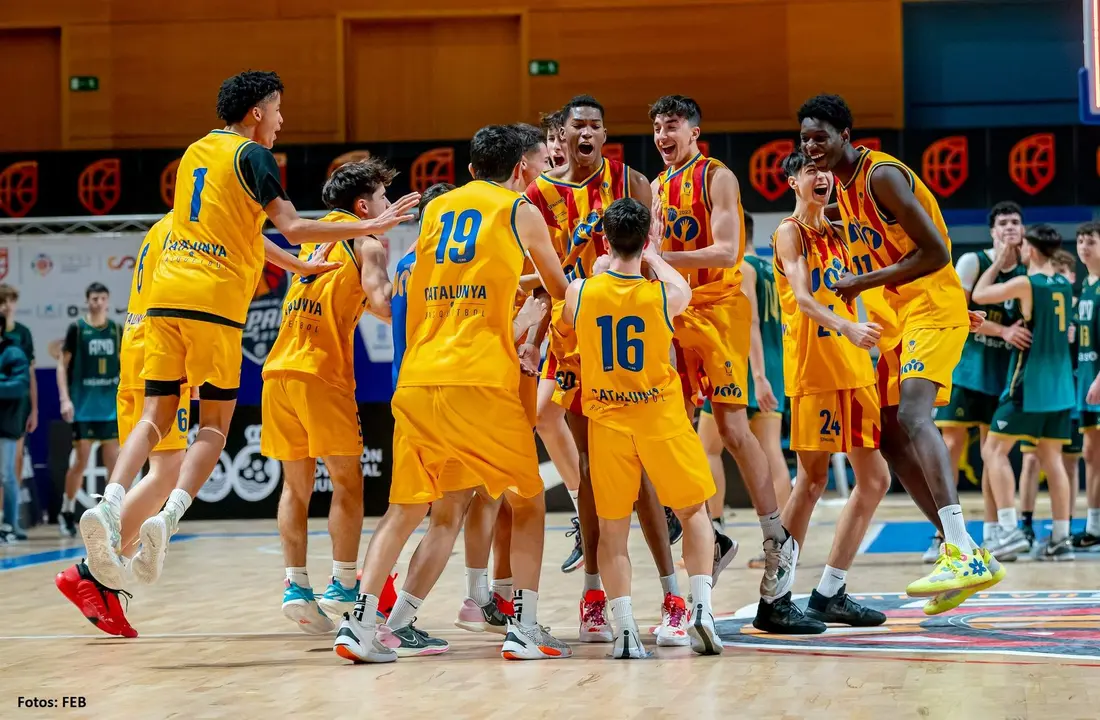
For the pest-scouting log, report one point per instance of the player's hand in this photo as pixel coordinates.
(847, 287)
(528, 359)
(1017, 335)
(1093, 395)
(656, 226)
(862, 335)
(530, 314)
(1071, 333)
(320, 265)
(602, 264)
(976, 319)
(32, 420)
(396, 213)
(67, 410)
(765, 397)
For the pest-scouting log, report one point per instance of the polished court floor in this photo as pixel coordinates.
(214, 643)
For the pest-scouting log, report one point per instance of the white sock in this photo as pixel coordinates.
(404, 610)
(298, 576)
(68, 504)
(954, 527)
(366, 609)
(670, 585)
(1092, 522)
(174, 508)
(477, 585)
(700, 590)
(344, 573)
(988, 530)
(113, 494)
(832, 579)
(772, 527)
(502, 587)
(526, 605)
(592, 582)
(622, 614)
(1007, 519)
(573, 494)
(1059, 530)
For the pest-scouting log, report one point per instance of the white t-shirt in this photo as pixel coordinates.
(967, 268)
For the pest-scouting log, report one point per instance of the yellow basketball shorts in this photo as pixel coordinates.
(306, 417)
(130, 403)
(677, 467)
(194, 351)
(529, 397)
(484, 429)
(712, 350)
(929, 353)
(836, 421)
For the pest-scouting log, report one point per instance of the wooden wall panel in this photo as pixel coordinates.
(53, 13)
(31, 87)
(89, 118)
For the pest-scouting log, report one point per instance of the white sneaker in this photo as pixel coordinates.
(149, 560)
(704, 638)
(779, 565)
(594, 627)
(363, 643)
(102, 536)
(628, 646)
(301, 608)
(672, 631)
(532, 643)
(1007, 544)
(932, 554)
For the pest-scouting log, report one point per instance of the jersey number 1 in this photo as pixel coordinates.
(196, 193)
(618, 346)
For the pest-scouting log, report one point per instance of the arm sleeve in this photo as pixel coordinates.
(967, 268)
(71, 336)
(260, 173)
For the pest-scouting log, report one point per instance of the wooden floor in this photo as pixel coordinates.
(214, 643)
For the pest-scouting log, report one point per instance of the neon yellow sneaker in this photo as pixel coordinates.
(951, 599)
(954, 570)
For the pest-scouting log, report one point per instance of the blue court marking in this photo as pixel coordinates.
(911, 537)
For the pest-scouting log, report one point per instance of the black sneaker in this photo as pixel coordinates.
(576, 558)
(675, 529)
(842, 609)
(1029, 533)
(66, 524)
(783, 617)
(1051, 551)
(1085, 541)
(725, 550)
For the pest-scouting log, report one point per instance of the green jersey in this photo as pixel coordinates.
(771, 329)
(21, 335)
(983, 366)
(94, 369)
(1040, 379)
(1088, 315)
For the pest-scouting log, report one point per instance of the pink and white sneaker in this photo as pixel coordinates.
(594, 626)
(672, 632)
(492, 617)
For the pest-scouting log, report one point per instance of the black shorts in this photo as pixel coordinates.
(101, 430)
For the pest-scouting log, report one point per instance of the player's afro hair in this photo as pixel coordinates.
(827, 108)
(242, 92)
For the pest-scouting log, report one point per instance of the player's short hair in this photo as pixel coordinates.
(8, 293)
(95, 289)
(750, 224)
(580, 101)
(352, 180)
(679, 106)
(1005, 207)
(1091, 227)
(495, 151)
(550, 122)
(827, 108)
(793, 163)
(1064, 260)
(626, 226)
(431, 194)
(242, 92)
(530, 136)
(1044, 238)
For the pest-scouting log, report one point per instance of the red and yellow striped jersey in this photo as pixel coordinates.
(686, 201)
(876, 240)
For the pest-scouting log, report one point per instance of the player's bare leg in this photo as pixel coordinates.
(712, 446)
(299, 605)
(480, 612)
(594, 626)
(1089, 538)
(1058, 547)
(556, 437)
(66, 520)
(501, 586)
(672, 632)
(768, 431)
(1029, 492)
(110, 450)
(903, 461)
(1007, 540)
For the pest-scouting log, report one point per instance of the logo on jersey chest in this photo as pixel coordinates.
(101, 347)
(261, 327)
(589, 228)
(864, 234)
(829, 276)
(682, 228)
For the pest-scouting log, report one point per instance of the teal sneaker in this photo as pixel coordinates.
(338, 600)
(300, 607)
(415, 641)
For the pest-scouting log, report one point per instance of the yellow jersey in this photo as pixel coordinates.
(816, 359)
(624, 338)
(876, 240)
(687, 206)
(141, 286)
(210, 268)
(320, 315)
(461, 293)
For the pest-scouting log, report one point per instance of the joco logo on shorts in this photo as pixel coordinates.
(726, 391)
(912, 366)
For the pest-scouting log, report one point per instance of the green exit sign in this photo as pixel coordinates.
(543, 67)
(83, 83)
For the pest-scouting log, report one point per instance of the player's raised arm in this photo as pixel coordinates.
(298, 230)
(677, 288)
(374, 276)
(292, 263)
(725, 250)
(535, 239)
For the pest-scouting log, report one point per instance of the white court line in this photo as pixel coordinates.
(550, 475)
(872, 534)
(161, 636)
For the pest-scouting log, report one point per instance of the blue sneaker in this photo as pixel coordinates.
(300, 607)
(338, 600)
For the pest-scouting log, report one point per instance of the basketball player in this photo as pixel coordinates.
(980, 376)
(461, 356)
(309, 408)
(834, 404)
(1088, 381)
(227, 183)
(552, 124)
(704, 239)
(900, 251)
(572, 199)
(1036, 403)
(623, 324)
(87, 381)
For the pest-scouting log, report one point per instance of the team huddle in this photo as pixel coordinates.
(638, 288)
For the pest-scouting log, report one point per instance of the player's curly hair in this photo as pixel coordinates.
(1044, 238)
(551, 122)
(827, 108)
(352, 180)
(530, 136)
(431, 194)
(679, 106)
(1005, 207)
(242, 92)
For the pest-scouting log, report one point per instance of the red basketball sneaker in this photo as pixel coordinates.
(97, 602)
(388, 598)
